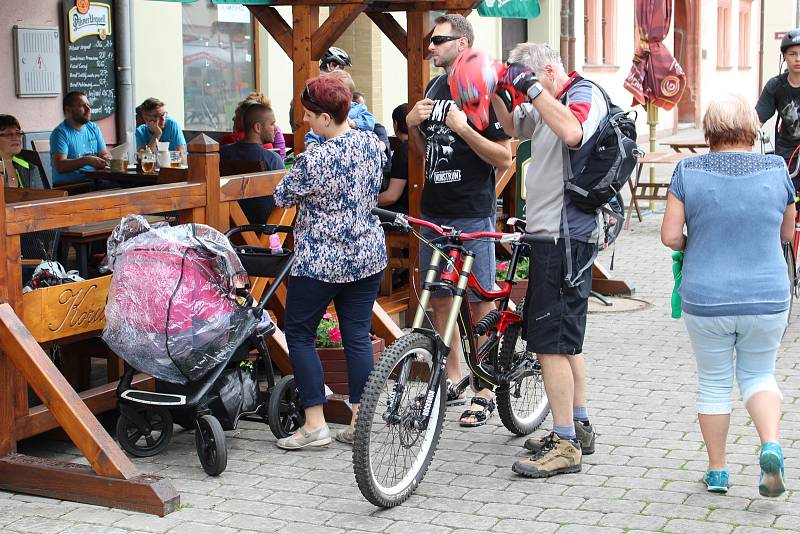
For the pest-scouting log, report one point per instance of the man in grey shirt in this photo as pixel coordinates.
(561, 115)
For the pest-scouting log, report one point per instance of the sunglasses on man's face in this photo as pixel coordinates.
(442, 39)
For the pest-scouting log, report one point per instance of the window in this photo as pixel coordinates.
(745, 7)
(724, 34)
(218, 66)
(514, 31)
(599, 26)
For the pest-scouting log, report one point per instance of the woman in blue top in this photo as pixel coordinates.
(340, 252)
(737, 207)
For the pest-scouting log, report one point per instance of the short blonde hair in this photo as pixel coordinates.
(730, 120)
(344, 76)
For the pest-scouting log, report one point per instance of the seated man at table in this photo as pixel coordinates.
(158, 126)
(76, 145)
(259, 128)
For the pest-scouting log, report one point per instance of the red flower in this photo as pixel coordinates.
(334, 335)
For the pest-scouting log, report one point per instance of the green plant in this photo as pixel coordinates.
(523, 266)
(328, 333)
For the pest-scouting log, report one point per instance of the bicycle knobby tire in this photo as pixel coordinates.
(377, 441)
(523, 406)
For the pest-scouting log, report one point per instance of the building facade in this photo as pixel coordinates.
(201, 59)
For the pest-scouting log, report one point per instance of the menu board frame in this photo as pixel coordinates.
(89, 54)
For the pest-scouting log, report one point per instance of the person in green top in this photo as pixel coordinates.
(16, 172)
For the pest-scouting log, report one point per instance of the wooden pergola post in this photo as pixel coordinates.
(418, 77)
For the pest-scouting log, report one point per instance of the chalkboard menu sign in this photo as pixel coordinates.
(90, 64)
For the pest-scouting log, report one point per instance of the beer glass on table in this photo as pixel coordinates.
(175, 159)
(148, 161)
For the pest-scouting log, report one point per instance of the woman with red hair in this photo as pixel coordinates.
(339, 249)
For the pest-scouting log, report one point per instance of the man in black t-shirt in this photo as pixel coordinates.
(781, 94)
(259, 128)
(459, 190)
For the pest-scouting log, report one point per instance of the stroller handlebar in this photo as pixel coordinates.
(259, 228)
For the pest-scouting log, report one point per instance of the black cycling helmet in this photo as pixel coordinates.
(335, 55)
(791, 38)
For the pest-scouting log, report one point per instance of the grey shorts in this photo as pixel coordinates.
(484, 265)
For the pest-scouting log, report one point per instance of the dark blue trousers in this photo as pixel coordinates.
(306, 301)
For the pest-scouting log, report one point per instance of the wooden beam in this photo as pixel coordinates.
(66, 406)
(8, 375)
(251, 185)
(204, 169)
(14, 272)
(8, 436)
(99, 400)
(102, 206)
(305, 20)
(504, 179)
(273, 22)
(73, 482)
(340, 18)
(391, 29)
(418, 77)
(383, 325)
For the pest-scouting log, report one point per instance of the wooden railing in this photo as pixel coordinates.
(112, 479)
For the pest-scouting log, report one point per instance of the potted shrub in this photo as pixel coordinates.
(331, 353)
(520, 277)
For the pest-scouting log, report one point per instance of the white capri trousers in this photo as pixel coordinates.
(755, 340)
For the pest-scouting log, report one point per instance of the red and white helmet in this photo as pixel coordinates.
(472, 83)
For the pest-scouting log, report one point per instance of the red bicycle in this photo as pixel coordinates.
(402, 408)
(790, 248)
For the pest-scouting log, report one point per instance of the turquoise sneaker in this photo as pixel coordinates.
(717, 481)
(771, 460)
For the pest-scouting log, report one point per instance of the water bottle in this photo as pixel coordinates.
(275, 244)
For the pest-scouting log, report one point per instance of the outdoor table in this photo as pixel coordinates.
(691, 146)
(639, 191)
(137, 178)
(81, 236)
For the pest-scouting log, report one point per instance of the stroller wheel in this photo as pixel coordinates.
(209, 439)
(285, 412)
(144, 430)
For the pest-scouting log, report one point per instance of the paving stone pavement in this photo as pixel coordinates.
(644, 476)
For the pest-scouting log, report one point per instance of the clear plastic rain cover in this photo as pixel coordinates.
(172, 311)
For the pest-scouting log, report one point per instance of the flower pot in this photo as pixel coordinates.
(518, 290)
(334, 365)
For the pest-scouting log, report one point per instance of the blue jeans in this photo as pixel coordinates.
(754, 338)
(306, 301)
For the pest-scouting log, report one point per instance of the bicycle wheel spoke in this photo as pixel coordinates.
(393, 445)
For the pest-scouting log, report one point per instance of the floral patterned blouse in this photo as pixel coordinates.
(334, 186)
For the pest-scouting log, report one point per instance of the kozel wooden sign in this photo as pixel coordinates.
(66, 310)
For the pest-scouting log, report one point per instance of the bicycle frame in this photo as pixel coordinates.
(456, 276)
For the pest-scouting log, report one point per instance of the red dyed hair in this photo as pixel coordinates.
(327, 95)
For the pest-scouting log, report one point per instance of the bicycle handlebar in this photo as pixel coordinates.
(405, 222)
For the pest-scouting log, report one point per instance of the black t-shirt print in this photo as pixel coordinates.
(458, 183)
(778, 95)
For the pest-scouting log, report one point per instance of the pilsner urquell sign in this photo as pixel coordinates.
(96, 21)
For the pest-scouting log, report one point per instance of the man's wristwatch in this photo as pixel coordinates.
(535, 90)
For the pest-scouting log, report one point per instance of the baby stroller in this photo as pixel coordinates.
(179, 310)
